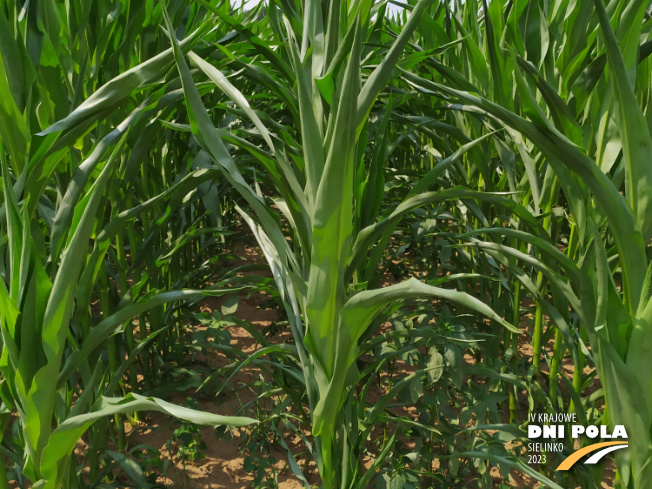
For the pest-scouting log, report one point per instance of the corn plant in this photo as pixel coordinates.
(318, 189)
(56, 192)
(594, 140)
(508, 140)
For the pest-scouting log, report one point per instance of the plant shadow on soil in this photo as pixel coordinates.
(222, 463)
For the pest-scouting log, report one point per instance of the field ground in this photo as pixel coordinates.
(222, 463)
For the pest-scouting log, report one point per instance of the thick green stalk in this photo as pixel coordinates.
(537, 335)
(557, 353)
(129, 327)
(97, 441)
(516, 318)
(145, 355)
(577, 376)
(114, 360)
(4, 482)
(558, 350)
(538, 314)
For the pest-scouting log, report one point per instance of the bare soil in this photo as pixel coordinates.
(223, 464)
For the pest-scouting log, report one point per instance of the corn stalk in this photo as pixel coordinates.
(322, 56)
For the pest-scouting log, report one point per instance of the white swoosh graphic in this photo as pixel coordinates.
(595, 458)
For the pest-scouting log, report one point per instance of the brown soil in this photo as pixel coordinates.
(223, 465)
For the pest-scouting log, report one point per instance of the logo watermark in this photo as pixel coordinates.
(544, 429)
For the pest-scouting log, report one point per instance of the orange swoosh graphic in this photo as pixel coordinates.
(574, 457)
